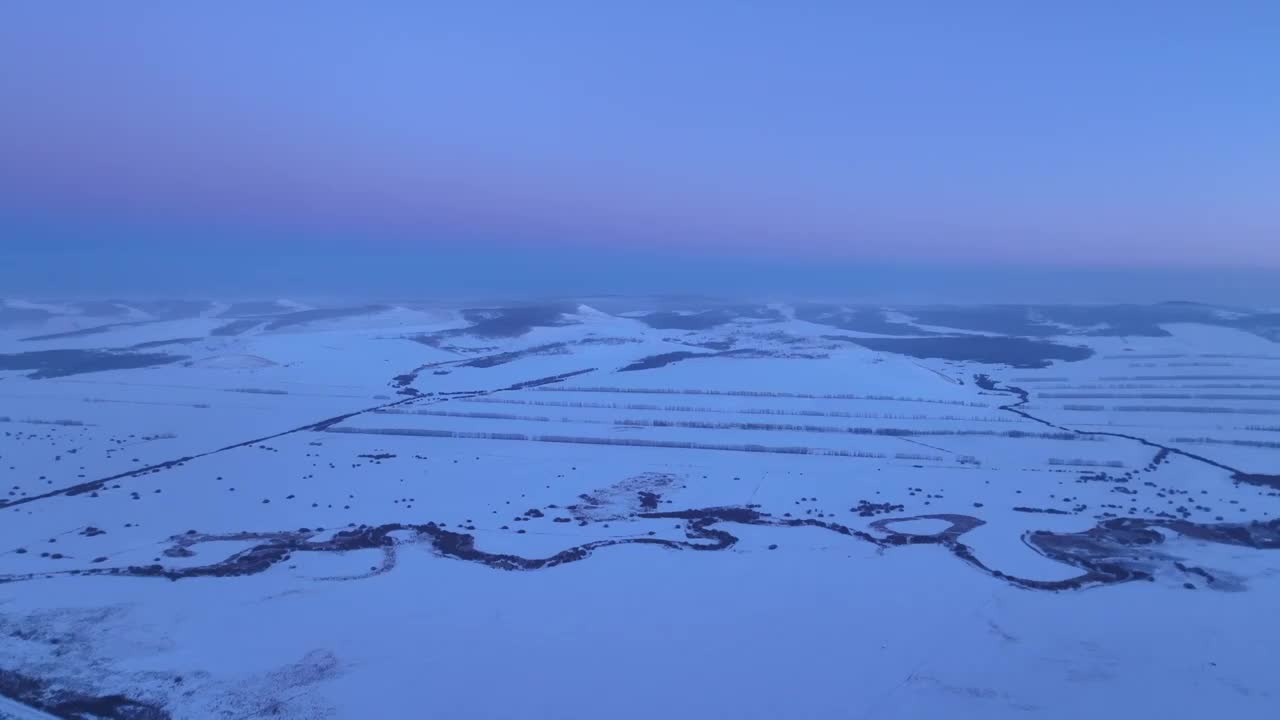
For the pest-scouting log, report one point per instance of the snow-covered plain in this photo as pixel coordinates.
(600, 509)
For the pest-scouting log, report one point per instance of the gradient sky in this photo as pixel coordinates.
(226, 137)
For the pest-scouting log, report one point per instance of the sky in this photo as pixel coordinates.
(431, 147)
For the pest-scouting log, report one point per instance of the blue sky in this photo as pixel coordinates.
(1086, 137)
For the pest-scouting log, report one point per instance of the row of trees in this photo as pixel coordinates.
(628, 442)
(918, 457)
(1080, 462)
(745, 426)
(1195, 409)
(1164, 386)
(759, 393)
(736, 411)
(1217, 441)
(1153, 396)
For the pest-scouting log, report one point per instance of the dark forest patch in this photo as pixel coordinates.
(308, 316)
(61, 363)
(661, 360)
(518, 320)
(707, 319)
(84, 332)
(1014, 351)
(162, 343)
(235, 327)
(1014, 320)
(496, 359)
(72, 704)
(173, 309)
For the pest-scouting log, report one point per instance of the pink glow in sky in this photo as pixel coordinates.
(1082, 136)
